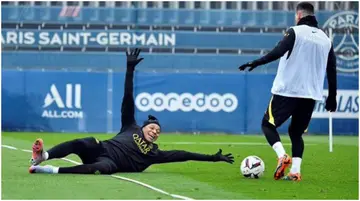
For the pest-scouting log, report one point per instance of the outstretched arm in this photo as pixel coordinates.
(286, 44)
(181, 156)
(128, 106)
(331, 77)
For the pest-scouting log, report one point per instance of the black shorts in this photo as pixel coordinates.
(281, 108)
(93, 151)
(89, 149)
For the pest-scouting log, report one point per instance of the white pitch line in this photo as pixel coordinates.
(71, 161)
(115, 176)
(153, 188)
(9, 147)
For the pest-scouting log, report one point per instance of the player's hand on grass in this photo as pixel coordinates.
(226, 158)
(331, 104)
(132, 58)
(249, 64)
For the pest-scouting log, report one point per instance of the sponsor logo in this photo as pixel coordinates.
(345, 43)
(142, 145)
(55, 107)
(347, 105)
(186, 102)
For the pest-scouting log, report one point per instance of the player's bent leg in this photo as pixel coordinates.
(271, 134)
(81, 147)
(279, 110)
(84, 148)
(297, 148)
(297, 142)
(299, 122)
(273, 138)
(59, 151)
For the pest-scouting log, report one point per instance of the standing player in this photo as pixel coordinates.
(131, 150)
(306, 54)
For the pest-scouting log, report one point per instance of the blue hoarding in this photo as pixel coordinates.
(184, 102)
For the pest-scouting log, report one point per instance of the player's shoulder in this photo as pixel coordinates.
(131, 127)
(305, 30)
(298, 29)
(289, 32)
(155, 146)
(129, 130)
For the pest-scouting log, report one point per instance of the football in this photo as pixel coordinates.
(252, 167)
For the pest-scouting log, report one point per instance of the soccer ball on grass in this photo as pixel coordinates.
(252, 167)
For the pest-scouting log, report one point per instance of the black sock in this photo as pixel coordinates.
(271, 134)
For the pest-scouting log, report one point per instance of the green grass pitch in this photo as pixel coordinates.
(325, 175)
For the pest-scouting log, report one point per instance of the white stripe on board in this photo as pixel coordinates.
(109, 118)
(118, 177)
(226, 143)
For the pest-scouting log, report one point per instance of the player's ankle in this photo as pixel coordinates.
(296, 165)
(279, 149)
(45, 155)
(55, 170)
(51, 169)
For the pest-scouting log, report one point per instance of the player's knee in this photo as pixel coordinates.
(94, 169)
(100, 171)
(265, 124)
(295, 135)
(77, 145)
(295, 132)
(101, 168)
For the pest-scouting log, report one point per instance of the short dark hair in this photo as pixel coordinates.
(306, 6)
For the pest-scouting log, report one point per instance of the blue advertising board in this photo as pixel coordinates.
(54, 101)
(184, 102)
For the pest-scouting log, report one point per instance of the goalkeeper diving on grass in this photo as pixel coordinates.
(131, 150)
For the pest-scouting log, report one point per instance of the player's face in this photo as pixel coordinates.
(151, 132)
(298, 16)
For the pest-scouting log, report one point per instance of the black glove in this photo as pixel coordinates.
(132, 58)
(252, 65)
(226, 158)
(331, 103)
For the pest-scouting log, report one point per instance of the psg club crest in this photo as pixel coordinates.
(343, 28)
